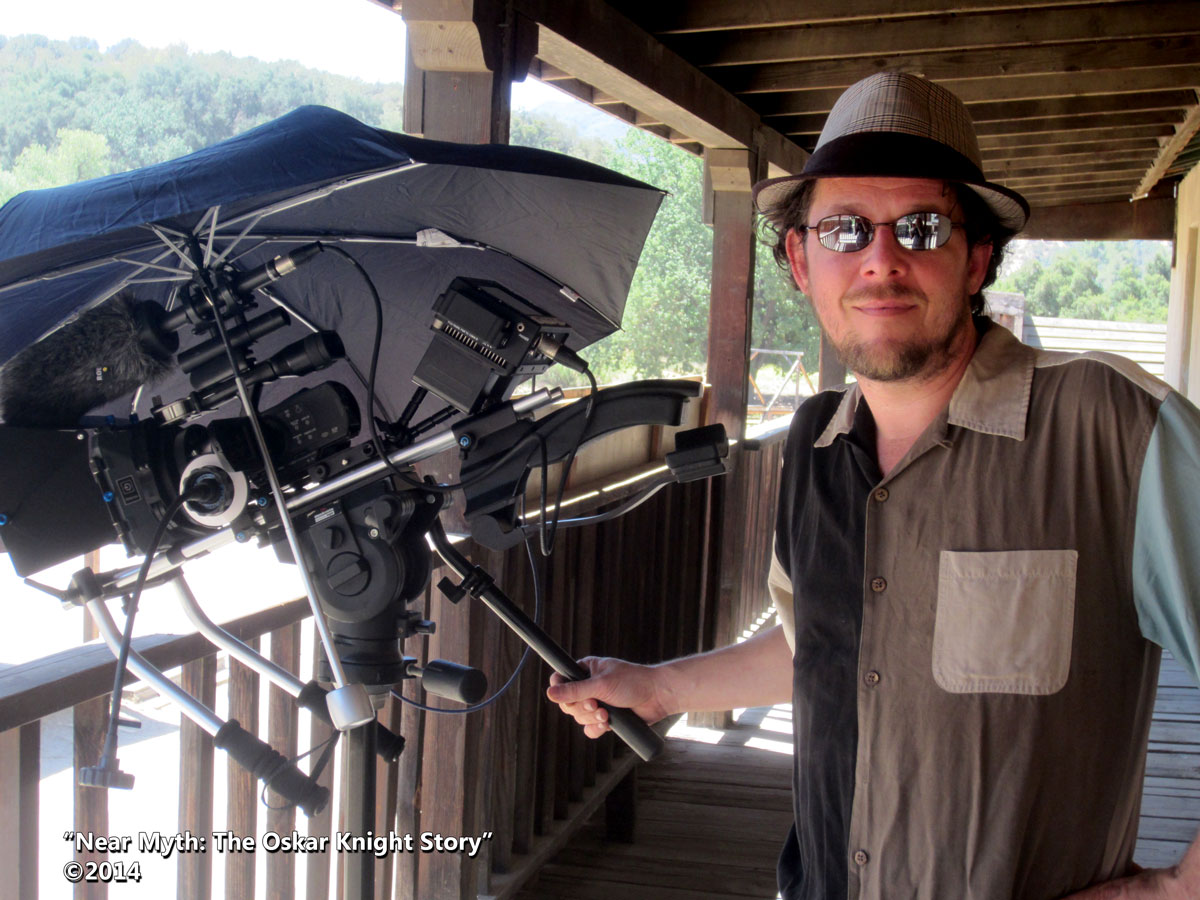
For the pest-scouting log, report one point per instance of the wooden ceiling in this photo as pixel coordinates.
(1074, 102)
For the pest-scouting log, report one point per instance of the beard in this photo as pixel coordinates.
(902, 359)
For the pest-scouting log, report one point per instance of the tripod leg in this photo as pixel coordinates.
(358, 869)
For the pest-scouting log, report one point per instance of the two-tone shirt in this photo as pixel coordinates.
(976, 635)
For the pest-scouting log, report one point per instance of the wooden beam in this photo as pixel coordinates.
(442, 36)
(1074, 174)
(717, 15)
(1151, 220)
(1068, 107)
(1170, 151)
(1102, 138)
(946, 32)
(1089, 177)
(597, 45)
(997, 156)
(1002, 111)
(1104, 123)
(1079, 195)
(1110, 162)
(1060, 63)
(1075, 84)
(805, 127)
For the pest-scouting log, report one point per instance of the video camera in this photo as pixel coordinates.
(327, 484)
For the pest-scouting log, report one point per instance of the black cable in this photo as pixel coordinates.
(547, 533)
(482, 704)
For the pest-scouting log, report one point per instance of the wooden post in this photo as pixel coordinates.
(730, 173)
(194, 872)
(242, 790)
(91, 803)
(463, 57)
(452, 757)
(20, 769)
(282, 719)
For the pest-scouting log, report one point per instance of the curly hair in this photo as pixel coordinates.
(980, 224)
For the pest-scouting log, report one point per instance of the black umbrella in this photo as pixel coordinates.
(561, 234)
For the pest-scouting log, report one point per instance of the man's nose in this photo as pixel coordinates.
(884, 257)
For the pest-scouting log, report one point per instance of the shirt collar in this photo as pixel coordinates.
(992, 398)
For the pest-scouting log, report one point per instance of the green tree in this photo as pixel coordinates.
(76, 156)
(665, 329)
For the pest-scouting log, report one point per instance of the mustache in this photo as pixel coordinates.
(886, 292)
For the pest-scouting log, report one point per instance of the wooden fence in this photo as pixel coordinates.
(646, 586)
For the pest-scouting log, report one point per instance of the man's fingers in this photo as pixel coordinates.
(567, 692)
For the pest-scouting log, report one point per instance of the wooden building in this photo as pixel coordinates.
(1088, 107)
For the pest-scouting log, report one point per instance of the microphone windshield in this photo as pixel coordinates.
(100, 356)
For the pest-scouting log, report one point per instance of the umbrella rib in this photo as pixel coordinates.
(166, 280)
(211, 231)
(288, 308)
(78, 268)
(181, 273)
(237, 240)
(162, 236)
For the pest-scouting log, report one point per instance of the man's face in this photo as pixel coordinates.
(891, 313)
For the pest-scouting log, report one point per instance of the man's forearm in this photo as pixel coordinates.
(756, 672)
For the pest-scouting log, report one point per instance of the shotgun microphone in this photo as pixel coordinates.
(105, 353)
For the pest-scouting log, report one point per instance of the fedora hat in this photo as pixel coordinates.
(897, 125)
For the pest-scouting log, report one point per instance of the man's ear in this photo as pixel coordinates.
(978, 258)
(797, 259)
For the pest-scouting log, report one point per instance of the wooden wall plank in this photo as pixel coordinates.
(194, 870)
(20, 771)
(241, 811)
(282, 718)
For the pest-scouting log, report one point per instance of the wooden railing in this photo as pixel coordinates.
(517, 775)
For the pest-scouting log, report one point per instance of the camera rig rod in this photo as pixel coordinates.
(641, 738)
(311, 696)
(253, 754)
(349, 704)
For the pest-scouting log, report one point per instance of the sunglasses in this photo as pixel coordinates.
(916, 231)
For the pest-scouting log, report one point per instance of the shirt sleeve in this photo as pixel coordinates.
(1166, 542)
(779, 584)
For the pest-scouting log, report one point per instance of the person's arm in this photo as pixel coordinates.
(1180, 882)
(756, 672)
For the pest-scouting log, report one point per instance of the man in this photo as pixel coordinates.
(980, 548)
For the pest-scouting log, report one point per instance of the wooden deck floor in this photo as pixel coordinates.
(713, 811)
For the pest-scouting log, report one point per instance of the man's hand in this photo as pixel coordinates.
(612, 681)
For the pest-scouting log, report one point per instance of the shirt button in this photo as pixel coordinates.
(878, 585)
(860, 857)
(871, 678)
(881, 494)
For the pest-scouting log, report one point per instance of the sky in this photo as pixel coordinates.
(356, 38)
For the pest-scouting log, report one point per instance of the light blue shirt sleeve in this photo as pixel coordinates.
(1166, 541)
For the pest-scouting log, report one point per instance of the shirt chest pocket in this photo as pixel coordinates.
(1004, 621)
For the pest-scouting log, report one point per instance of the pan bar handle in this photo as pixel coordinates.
(629, 727)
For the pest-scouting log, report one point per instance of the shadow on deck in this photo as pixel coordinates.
(713, 811)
